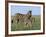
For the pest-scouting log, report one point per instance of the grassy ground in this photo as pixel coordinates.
(20, 26)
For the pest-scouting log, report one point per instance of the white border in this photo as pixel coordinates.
(23, 32)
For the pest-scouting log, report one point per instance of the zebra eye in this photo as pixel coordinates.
(30, 16)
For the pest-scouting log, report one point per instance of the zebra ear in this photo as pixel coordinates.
(29, 12)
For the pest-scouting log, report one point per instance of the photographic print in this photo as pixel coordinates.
(25, 18)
